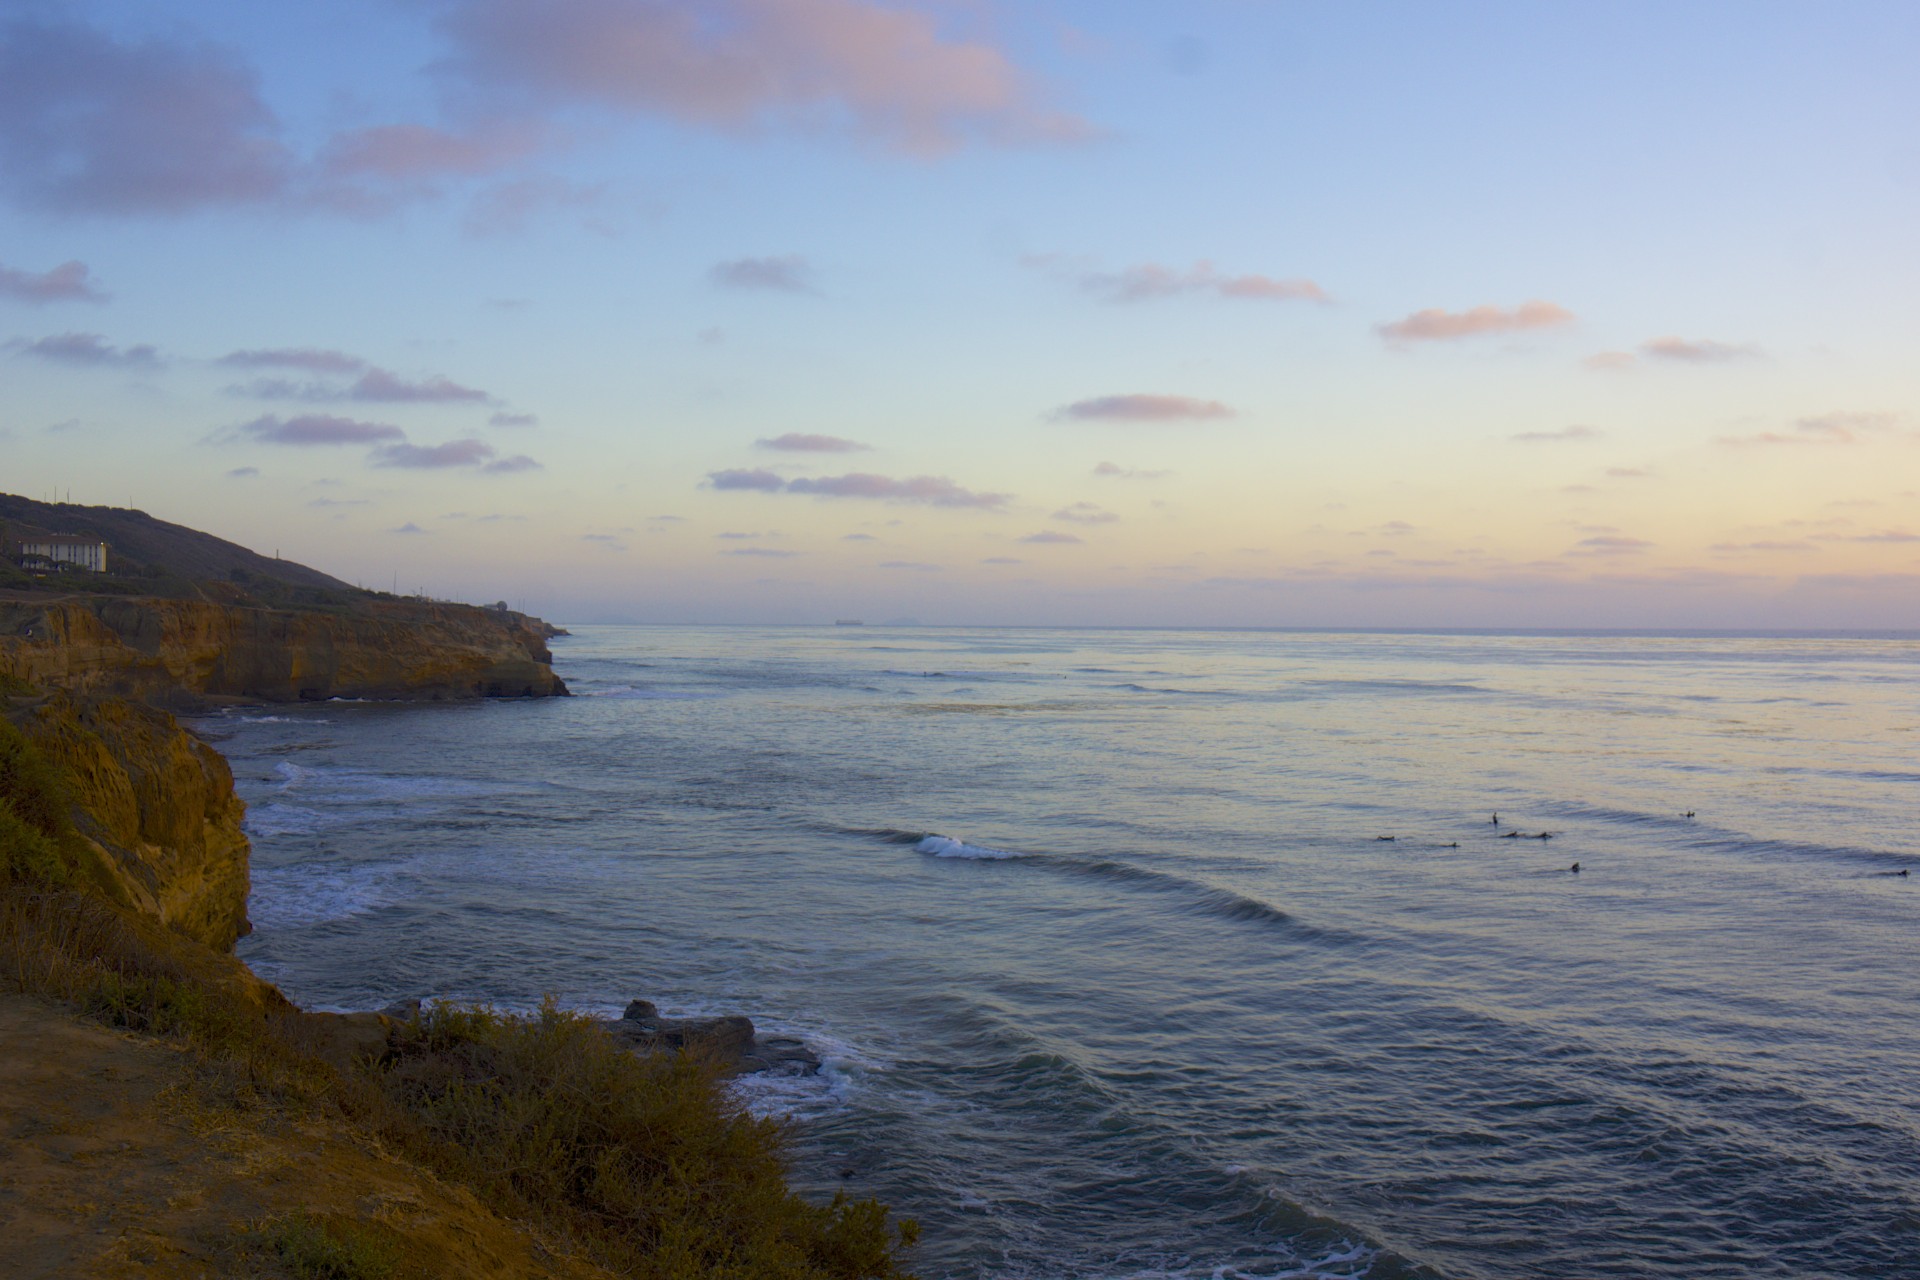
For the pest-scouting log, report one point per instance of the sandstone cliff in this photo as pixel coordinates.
(156, 808)
(181, 652)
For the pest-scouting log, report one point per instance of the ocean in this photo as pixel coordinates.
(1152, 954)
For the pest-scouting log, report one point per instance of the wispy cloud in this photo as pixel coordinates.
(762, 553)
(1084, 513)
(1894, 536)
(453, 453)
(89, 349)
(788, 274)
(373, 386)
(68, 282)
(1827, 429)
(912, 566)
(1438, 325)
(513, 420)
(888, 74)
(243, 473)
(1560, 435)
(799, 442)
(1674, 350)
(319, 429)
(383, 386)
(932, 491)
(1629, 473)
(1151, 281)
(408, 527)
(1114, 471)
(308, 359)
(1765, 545)
(1610, 545)
(1696, 350)
(1143, 407)
(1052, 537)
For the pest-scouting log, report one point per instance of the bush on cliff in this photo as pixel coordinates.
(36, 829)
(644, 1161)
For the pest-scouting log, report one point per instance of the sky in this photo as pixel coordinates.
(1065, 312)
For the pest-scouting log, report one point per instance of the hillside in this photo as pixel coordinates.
(148, 556)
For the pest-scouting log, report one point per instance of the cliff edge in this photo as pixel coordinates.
(182, 653)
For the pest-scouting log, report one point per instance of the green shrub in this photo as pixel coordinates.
(644, 1160)
(316, 1250)
(36, 828)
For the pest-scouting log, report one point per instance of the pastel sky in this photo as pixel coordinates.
(968, 311)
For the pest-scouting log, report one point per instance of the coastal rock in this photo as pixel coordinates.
(730, 1039)
(184, 653)
(156, 807)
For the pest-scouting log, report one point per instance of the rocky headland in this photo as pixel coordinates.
(185, 653)
(222, 1129)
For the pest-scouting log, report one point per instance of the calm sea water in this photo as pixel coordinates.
(1162, 1000)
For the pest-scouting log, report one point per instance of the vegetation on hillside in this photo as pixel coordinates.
(641, 1163)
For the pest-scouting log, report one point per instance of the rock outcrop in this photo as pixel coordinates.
(729, 1039)
(182, 653)
(157, 809)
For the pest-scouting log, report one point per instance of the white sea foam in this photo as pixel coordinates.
(310, 893)
(778, 1095)
(281, 820)
(947, 847)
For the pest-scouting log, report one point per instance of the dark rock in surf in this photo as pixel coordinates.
(730, 1039)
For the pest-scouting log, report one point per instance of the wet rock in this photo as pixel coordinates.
(731, 1039)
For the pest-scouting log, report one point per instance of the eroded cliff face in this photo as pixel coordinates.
(181, 652)
(157, 808)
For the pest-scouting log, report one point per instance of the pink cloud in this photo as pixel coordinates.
(798, 442)
(320, 428)
(1437, 325)
(382, 386)
(411, 152)
(1696, 351)
(454, 453)
(1151, 281)
(1143, 408)
(1610, 361)
(91, 124)
(68, 282)
(886, 74)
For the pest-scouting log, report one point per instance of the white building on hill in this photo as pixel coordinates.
(65, 548)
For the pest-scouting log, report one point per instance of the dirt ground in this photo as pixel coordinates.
(119, 1157)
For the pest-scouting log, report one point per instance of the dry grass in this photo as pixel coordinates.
(641, 1163)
